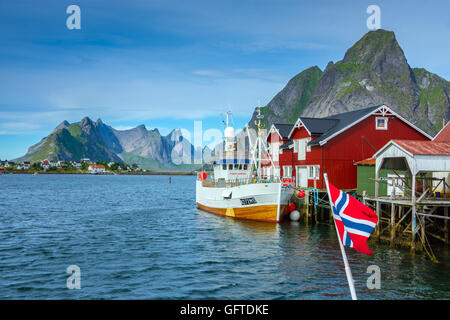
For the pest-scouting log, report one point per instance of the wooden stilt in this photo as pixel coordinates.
(446, 226)
(392, 223)
(413, 213)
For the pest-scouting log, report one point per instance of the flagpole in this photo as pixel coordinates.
(348, 271)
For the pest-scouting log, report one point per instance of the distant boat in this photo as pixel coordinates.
(236, 191)
(35, 174)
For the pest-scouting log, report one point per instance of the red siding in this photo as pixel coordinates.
(338, 155)
(341, 152)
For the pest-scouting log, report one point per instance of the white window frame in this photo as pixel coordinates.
(301, 155)
(275, 151)
(385, 123)
(287, 169)
(316, 172)
(277, 172)
(308, 148)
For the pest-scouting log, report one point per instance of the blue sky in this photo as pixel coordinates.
(168, 63)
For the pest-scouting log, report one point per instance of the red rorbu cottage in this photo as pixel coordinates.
(333, 144)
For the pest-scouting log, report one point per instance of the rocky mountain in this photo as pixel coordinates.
(373, 71)
(100, 142)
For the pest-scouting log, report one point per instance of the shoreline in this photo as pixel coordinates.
(152, 173)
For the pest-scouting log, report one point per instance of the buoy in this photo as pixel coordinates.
(301, 194)
(294, 215)
(203, 176)
(291, 207)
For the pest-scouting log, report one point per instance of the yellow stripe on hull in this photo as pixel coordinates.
(267, 213)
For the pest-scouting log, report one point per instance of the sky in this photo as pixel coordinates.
(166, 63)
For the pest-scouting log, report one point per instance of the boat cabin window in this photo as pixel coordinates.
(236, 167)
(240, 167)
(230, 167)
(245, 167)
(224, 167)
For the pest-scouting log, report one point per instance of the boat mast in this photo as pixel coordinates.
(259, 116)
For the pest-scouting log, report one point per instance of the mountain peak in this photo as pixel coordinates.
(374, 71)
(86, 121)
(372, 45)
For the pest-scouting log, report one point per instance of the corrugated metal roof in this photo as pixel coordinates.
(425, 147)
(443, 135)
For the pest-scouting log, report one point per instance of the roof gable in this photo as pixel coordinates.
(417, 147)
(443, 135)
(283, 129)
(347, 120)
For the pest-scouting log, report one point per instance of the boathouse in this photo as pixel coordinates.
(335, 143)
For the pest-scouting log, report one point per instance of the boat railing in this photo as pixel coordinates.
(222, 183)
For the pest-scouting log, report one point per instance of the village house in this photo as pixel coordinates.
(24, 165)
(334, 144)
(96, 168)
(10, 164)
(85, 160)
(45, 164)
(61, 165)
(75, 164)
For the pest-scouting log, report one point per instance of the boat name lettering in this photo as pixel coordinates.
(247, 201)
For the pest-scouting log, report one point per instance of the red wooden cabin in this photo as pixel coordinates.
(333, 144)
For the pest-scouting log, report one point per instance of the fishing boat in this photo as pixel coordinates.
(237, 187)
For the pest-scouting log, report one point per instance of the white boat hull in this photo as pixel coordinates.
(257, 201)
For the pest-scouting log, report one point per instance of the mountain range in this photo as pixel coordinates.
(373, 71)
(100, 142)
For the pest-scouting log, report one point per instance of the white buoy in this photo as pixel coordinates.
(294, 215)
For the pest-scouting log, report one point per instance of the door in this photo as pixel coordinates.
(395, 180)
(301, 177)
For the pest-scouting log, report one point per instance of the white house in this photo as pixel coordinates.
(76, 164)
(96, 168)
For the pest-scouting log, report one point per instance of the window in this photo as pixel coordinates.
(224, 167)
(230, 167)
(381, 123)
(287, 171)
(245, 167)
(275, 151)
(277, 172)
(236, 167)
(308, 148)
(314, 172)
(295, 146)
(301, 149)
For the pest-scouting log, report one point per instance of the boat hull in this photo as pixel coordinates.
(260, 202)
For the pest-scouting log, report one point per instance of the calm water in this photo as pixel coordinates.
(139, 237)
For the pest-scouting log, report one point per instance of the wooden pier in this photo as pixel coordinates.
(419, 222)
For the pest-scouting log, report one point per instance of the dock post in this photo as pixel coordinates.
(446, 226)
(307, 196)
(413, 213)
(392, 223)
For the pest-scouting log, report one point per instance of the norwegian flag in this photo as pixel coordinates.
(354, 220)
